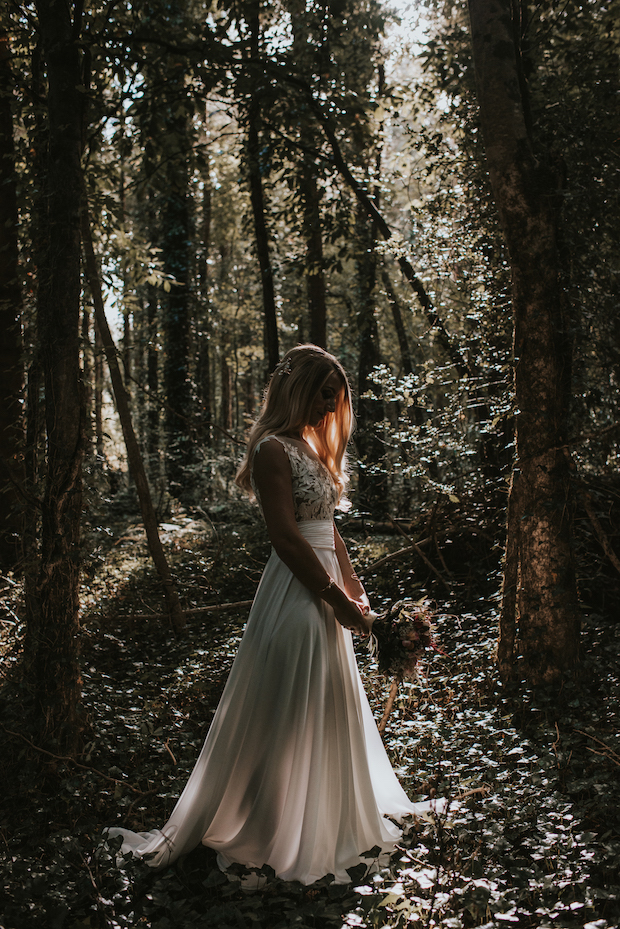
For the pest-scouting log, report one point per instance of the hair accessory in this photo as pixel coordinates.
(328, 586)
(284, 367)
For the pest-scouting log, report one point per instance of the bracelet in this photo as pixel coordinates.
(328, 586)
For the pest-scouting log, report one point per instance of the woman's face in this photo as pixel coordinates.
(325, 400)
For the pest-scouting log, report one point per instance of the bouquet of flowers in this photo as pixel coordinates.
(400, 636)
(398, 640)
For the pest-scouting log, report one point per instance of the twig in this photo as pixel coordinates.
(84, 767)
(386, 558)
(484, 790)
(586, 436)
(613, 754)
(419, 552)
(389, 704)
(602, 536)
(98, 896)
(169, 750)
(557, 741)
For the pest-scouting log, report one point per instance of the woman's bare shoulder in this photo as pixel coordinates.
(271, 451)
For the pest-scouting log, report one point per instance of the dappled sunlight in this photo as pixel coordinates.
(526, 837)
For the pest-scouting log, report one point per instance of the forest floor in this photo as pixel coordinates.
(531, 836)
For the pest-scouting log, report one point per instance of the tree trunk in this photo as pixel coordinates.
(35, 453)
(315, 273)
(176, 317)
(226, 407)
(272, 349)
(403, 342)
(203, 365)
(545, 614)
(134, 457)
(257, 197)
(373, 487)
(87, 378)
(153, 428)
(98, 398)
(11, 362)
(57, 682)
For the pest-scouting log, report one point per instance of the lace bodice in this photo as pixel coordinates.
(314, 493)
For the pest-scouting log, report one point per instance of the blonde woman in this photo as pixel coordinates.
(293, 773)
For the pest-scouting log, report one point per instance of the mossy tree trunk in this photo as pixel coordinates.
(539, 629)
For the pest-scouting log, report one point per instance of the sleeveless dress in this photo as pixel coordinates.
(293, 773)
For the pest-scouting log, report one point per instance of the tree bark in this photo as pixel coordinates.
(153, 427)
(176, 310)
(315, 272)
(203, 365)
(546, 617)
(11, 360)
(35, 454)
(134, 457)
(257, 198)
(401, 334)
(98, 398)
(57, 680)
(372, 474)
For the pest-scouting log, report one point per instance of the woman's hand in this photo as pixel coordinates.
(352, 616)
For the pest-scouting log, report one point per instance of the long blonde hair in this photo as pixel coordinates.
(287, 407)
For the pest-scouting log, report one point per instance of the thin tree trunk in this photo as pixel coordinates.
(272, 349)
(87, 379)
(11, 357)
(153, 426)
(525, 188)
(133, 452)
(315, 272)
(98, 397)
(397, 316)
(373, 487)
(203, 366)
(226, 407)
(176, 320)
(257, 197)
(57, 681)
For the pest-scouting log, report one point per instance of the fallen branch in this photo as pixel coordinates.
(215, 608)
(84, 767)
(602, 536)
(391, 557)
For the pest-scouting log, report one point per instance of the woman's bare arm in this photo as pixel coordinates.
(352, 584)
(273, 479)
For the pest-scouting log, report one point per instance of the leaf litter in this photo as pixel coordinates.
(531, 837)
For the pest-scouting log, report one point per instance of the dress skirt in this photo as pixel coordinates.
(293, 773)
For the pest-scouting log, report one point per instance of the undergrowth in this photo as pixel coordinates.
(531, 836)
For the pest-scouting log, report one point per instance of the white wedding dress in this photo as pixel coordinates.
(293, 773)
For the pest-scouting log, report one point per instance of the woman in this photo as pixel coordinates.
(293, 773)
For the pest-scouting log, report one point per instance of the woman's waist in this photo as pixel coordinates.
(318, 532)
